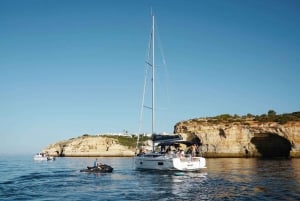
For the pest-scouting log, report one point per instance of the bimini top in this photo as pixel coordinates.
(176, 142)
(165, 137)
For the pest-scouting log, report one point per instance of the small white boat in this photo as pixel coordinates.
(43, 157)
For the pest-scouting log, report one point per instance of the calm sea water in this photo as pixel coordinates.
(22, 178)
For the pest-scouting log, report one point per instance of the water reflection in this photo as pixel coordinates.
(163, 185)
(190, 185)
(295, 165)
(254, 178)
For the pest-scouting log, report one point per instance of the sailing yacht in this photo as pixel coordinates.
(167, 149)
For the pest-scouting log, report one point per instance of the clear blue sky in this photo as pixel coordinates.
(73, 67)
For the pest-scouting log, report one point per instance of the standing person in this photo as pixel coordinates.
(198, 150)
(96, 163)
(193, 150)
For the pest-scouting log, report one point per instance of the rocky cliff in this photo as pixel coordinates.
(89, 146)
(267, 135)
(245, 137)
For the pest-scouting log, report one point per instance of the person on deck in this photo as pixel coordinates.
(193, 150)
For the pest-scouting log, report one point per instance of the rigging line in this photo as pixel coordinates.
(143, 98)
(164, 62)
(160, 45)
(147, 64)
(148, 54)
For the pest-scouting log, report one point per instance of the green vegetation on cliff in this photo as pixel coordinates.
(271, 116)
(125, 140)
(129, 141)
(282, 118)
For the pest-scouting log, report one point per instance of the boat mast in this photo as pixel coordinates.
(153, 81)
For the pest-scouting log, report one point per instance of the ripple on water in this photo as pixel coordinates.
(241, 180)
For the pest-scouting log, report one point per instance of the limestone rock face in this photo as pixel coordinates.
(243, 139)
(89, 146)
(237, 138)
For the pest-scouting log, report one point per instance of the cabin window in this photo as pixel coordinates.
(160, 163)
(141, 163)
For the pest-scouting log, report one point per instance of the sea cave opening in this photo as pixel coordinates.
(271, 145)
(194, 139)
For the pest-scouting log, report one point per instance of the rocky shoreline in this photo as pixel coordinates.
(230, 137)
(89, 146)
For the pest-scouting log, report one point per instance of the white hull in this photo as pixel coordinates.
(41, 157)
(169, 162)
